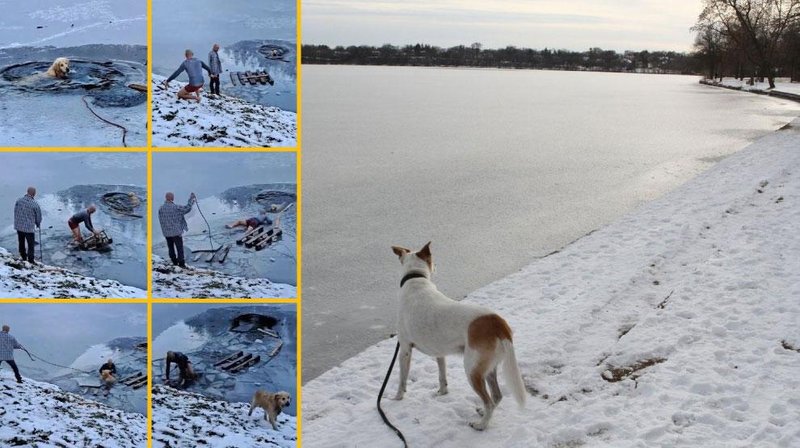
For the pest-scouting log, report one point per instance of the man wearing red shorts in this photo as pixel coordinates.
(194, 69)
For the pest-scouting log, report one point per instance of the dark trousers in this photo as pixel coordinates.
(175, 244)
(13, 367)
(215, 84)
(24, 237)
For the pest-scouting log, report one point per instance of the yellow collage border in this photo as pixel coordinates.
(149, 301)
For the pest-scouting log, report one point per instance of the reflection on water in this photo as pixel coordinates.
(277, 262)
(127, 259)
(216, 333)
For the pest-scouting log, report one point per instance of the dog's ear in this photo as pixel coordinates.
(425, 254)
(400, 251)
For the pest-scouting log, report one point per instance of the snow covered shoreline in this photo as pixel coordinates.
(20, 279)
(184, 419)
(225, 122)
(172, 282)
(675, 325)
(40, 414)
(786, 90)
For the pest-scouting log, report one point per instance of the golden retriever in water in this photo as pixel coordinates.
(272, 404)
(59, 69)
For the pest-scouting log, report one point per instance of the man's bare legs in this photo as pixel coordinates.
(184, 95)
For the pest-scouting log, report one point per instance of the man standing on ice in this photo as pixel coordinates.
(7, 345)
(194, 69)
(173, 224)
(27, 216)
(216, 68)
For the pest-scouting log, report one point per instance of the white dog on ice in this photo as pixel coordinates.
(438, 326)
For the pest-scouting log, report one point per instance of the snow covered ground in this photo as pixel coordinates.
(39, 415)
(173, 282)
(20, 279)
(780, 86)
(182, 419)
(225, 121)
(675, 326)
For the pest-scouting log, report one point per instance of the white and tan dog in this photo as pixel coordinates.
(59, 69)
(438, 326)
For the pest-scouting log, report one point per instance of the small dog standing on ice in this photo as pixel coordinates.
(438, 326)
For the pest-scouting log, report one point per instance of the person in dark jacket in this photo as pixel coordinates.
(27, 217)
(186, 373)
(216, 68)
(85, 217)
(108, 373)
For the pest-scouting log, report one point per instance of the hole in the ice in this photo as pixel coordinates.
(250, 322)
(106, 82)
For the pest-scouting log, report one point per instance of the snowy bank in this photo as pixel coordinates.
(786, 90)
(20, 279)
(40, 414)
(173, 282)
(183, 419)
(675, 326)
(225, 121)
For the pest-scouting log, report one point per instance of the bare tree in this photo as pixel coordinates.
(758, 26)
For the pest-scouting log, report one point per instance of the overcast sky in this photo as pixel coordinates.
(574, 25)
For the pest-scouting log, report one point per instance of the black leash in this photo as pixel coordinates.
(54, 364)
(380, 395)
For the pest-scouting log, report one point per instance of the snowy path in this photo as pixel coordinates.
(700, 286)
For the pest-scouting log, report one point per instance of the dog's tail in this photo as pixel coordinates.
(511, 371)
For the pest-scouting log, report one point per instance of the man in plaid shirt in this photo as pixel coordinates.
(173, 224)
(7, 345)
(27, 216)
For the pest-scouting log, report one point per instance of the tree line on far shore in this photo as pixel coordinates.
(738, 38)
(749, 39)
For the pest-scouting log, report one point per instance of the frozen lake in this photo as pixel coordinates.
(64, 23)
(226, 185)
(240, 28)
(59, 194)
(496, 167)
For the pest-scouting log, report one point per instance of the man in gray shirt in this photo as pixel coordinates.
(85, 217)
(7, 345)
(27, 216)
(216, 68)
(173, 224)
(194, 69)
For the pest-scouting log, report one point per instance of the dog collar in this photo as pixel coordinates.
(411, 275)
